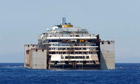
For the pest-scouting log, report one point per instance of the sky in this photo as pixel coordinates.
(22, 21)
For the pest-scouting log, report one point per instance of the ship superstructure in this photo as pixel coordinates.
(68, 47)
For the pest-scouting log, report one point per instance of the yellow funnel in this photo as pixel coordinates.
(65, 26)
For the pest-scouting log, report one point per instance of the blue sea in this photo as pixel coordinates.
(15, 73)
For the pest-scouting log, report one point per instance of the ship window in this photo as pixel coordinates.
(76, 52)
(81, 61)
(87, 57)
(62, 57)
(80, 57)
(58, 40)
(77, 61)
(52, 61)
(66, 57)
(85, 53)
(94, 62)
(84, 62)
(76, 57)
(84, 48)
(75, 44)
(83, 57)
(73, 41)
(76, 48)
(77, 35)
(91, 40)
(80, 52)
(27, 51)
(53, 52)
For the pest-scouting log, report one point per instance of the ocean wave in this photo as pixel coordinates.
(8, 66)
(121, 67)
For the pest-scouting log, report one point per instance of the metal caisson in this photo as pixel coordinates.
(68, 47)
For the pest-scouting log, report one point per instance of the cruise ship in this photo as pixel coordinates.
(68, 47)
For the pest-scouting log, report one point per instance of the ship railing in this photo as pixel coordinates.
(71, 35)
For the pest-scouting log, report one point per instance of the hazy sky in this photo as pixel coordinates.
(22, 21)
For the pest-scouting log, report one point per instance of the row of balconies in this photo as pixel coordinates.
(75, 57)
(77, 62)
(72, 40)
(71, 48)
(70, 35)
(52, 52)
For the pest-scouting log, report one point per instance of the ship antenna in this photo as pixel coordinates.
(63, 22)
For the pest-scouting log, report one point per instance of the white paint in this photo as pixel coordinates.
(71, 37)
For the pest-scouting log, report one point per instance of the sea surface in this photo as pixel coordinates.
(15, 73)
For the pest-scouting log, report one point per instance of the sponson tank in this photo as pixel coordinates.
(68, 47)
